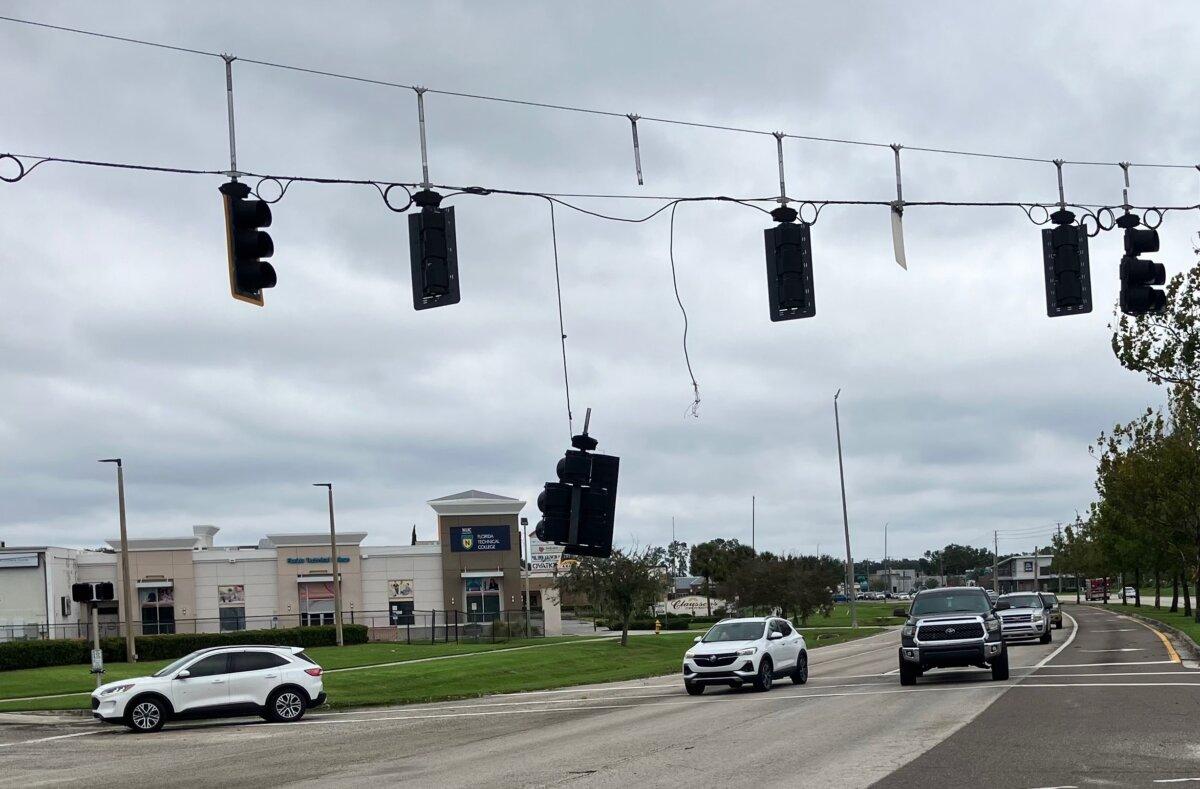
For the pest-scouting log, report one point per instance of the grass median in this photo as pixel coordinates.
(484, 670)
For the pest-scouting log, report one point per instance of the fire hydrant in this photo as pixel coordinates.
(657, 627)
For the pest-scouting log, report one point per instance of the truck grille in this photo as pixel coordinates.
(950, 632)
(1008, 620)
(714, 660)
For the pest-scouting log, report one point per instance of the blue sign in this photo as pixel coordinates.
(315, 560)
(479, 538)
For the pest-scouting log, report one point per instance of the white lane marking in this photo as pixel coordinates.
(1121, 649)
(887, 673)
(1117, 630)
(1065, 644)
(1116, 663)
(1175, 780)
(56, 737)
(1064, 786)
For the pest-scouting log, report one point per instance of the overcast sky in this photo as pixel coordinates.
(964, 408)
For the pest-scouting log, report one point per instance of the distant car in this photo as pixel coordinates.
(952, 627)
(1053, 609)
(991, 595)
(278, 683)
(1023, 616)
(754, 651)
(1129, 592)
(840, 598)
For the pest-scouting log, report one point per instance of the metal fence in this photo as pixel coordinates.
(408, 627)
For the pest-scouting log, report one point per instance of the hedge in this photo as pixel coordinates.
(65, 652)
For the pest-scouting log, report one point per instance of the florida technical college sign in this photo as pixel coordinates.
(479, 538)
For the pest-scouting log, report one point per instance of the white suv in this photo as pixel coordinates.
(278, 683)
(746, 651)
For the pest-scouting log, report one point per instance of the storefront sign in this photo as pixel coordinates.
(696, 605)
(401, 589)
(479, 538)
(315, 559)
(544, 557)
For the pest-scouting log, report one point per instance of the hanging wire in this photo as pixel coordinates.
(694, 408)
(563, 107)
(562, 332)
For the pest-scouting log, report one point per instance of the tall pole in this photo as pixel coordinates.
(845, 517)
(1058, 570)
(128, 597)
(96, 640)
(752, 544)
(887, 565)
(1035, 567)
(996, 562)
(333, 560)
(528, 569)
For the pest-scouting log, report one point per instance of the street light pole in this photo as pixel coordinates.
(333, 560)
(127, 588)
(528, 569)
(845, 517)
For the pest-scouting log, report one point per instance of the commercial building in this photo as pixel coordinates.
(1018, 574)
(471, 574)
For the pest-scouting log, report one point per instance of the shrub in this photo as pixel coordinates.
(65, 652)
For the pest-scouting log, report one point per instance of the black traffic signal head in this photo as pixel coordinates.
(598, 506)
(81, 593)
(555, 504)
(1066, 266)
(433, 252)
(1138, 296)
(247, 244)
(105, 590)
(789, 271)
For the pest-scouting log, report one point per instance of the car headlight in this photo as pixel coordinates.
(993, 625)
(747, 651)
(908, 631)
(689, 655)
(115, 689)
(1039, 616)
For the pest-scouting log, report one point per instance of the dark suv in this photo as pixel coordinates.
(953, 627)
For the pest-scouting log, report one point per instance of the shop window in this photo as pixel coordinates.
(232, 607)
(316, 603)
(482, 599)
(158, 610)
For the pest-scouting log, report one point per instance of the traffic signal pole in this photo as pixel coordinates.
(845, 518)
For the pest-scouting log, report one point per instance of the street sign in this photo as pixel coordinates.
(97, 661)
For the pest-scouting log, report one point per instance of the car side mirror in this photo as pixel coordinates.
(183, 674)
(901, 612)
(775, 636)
(697, 639)
(1003, 605)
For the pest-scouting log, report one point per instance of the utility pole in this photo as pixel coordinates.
(1035, 567)
(333, 560)
(1058, 570)
(887, 565)
(529, 567)
(941, 568)
(845, 517)
(128, 596)
(752, 548)
(996, 562)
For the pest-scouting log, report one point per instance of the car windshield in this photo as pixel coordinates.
(1023, 601)
(171, 668)
(734, 631)
(949, 602)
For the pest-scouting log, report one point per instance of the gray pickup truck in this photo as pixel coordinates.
(953, 627)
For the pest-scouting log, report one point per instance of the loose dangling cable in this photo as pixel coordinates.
(694, 408)
(562, 332)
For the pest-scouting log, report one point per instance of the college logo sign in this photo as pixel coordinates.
(473, 539)
(466, 540)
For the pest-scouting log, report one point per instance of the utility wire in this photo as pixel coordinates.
(694, 408)
(561, 330)
(579, 109)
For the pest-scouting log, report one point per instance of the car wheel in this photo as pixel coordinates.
(800, 673)
(1045, 639)
(1058, 625)
(1000, 665)
(693, 688)
(908, 673)
(285, 705)
(146, 715)
(764, 680)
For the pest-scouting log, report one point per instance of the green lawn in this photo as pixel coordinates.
(577, 661)
(1178, 620)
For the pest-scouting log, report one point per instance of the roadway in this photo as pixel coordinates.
(1106, 704)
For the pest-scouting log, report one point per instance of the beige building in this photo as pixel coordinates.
(471, 574)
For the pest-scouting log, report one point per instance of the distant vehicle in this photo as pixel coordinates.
(754, 651)
(1053, 609)
(278, 683)
(840, 598)
(991, 595)
(1097, 589)
(1023, 615)
(951, 627)
(1129, 593)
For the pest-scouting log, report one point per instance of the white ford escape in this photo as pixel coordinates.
(746, 651)
(278, 683)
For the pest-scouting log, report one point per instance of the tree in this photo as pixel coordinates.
(624, 583)
(715, 560)
(1165, 347)
(677, 558)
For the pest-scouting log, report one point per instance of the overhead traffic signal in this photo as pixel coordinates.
(578, 510)
(247, 244)
(92, 591)
(1138, 296)
(433, 253)
(789, 267)
(1068, 272)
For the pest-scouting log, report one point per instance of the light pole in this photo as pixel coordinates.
(333, 560)
(845, 517)
(127, 594)
(528, 568)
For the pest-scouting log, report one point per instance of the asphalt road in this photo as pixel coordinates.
(1106, 704)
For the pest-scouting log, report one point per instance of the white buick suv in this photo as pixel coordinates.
(754, 651)
(278, 683)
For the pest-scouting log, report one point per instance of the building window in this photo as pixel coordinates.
(482, 598)
(400, 601)
(1028, 567)
(158, 610)
(316, 603)
(232, 607)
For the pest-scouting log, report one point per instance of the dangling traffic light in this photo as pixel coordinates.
(1068, 273)
(433, 253)
(1138, 276)
(249, 274)
(578, 511)
(789, 267)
